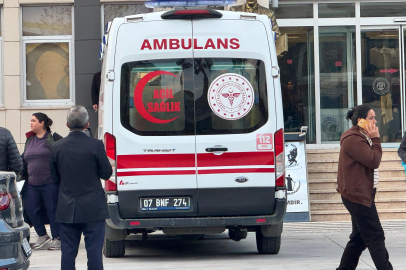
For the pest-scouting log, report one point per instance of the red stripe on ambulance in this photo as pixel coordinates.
(155, 161)
(245, 170)
(235, 159)
(189, 172)
(137, 173)
(188, 160)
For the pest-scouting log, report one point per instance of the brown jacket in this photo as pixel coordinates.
(356, 166)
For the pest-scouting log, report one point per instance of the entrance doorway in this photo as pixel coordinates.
(382, 58)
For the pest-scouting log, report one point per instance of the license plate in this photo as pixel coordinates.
(26, 247)
(162, 204)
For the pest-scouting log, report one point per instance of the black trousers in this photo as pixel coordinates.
(367, 232)
(94, 239)
(44, 195)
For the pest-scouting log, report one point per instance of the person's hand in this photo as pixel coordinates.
(95, 107)
(372, 131)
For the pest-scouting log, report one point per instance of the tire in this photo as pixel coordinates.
(267, 245)
(237, 235)
(114, 249)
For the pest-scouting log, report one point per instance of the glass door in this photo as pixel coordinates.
(382, 85)
(337, 85)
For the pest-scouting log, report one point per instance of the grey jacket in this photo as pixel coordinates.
(10, 159)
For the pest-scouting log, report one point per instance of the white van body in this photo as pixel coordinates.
(191, 114)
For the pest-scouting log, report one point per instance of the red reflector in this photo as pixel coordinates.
(110, 186)
(279, 142)
(261, 220)
(4, 200)
(187, 12)
(134, 223)
(280, 182)
(110, 144)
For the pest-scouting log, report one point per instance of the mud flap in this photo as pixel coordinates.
(114, 234)
(272, 230)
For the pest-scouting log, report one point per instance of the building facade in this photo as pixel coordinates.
(341, 54)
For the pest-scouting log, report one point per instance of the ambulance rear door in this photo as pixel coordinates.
(235, 118)
(153, 120)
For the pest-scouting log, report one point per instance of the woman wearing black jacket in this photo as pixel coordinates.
(39, 191)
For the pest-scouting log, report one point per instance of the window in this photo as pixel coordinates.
(1, 37)
(170, 97)
(294, 11)
(121, 10)
(165, 104)
(47, 46)
(383, 9)
(335, 10)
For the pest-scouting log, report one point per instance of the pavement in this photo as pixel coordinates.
(305, 246)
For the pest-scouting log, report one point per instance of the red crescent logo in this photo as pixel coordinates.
(139, 88)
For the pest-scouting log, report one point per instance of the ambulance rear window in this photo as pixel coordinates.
(155, 99)
(200, 96)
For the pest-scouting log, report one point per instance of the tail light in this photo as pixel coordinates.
(110, 144)
(279, 159)
(5, 200)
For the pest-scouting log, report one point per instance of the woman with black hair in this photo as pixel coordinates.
(39, 191)
(360, 157)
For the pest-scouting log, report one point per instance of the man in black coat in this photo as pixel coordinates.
(77, 163)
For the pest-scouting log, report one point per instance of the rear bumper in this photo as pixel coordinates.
(116, 222)
(11, 252)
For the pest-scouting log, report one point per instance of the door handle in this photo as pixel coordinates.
(216, 149)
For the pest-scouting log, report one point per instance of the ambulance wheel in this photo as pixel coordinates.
(268, 245)
(237, 234)
(114, 249)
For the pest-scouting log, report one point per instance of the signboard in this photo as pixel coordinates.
(296, 177)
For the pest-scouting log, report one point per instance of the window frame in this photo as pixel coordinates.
(48, 39)
(2, 86)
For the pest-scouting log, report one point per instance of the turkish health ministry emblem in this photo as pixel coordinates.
(231, 96)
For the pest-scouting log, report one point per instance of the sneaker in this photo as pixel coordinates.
(41, 241)
(55, 244)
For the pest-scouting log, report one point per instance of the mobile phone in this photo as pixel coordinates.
(363, 123)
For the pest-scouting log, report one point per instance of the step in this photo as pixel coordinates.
(334, 180)
(333, 157)
(322, 218)
(396, 172)
(337, 150)
(382, 194)
(333, 166)
(347, 217)
(396, 203)
(332, 185)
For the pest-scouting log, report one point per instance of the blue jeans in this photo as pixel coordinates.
(44, 195)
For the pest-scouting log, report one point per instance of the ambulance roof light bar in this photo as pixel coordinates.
(189, 3)
(191, 14)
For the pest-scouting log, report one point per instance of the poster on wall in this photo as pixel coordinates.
(296, 177)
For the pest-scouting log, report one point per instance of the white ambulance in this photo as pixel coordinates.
(191, 117)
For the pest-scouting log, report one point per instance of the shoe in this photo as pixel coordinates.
(55, 244)
(41, 241)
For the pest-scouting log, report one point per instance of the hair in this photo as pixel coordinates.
(361, 111)
(42, 117)
(77, 118)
